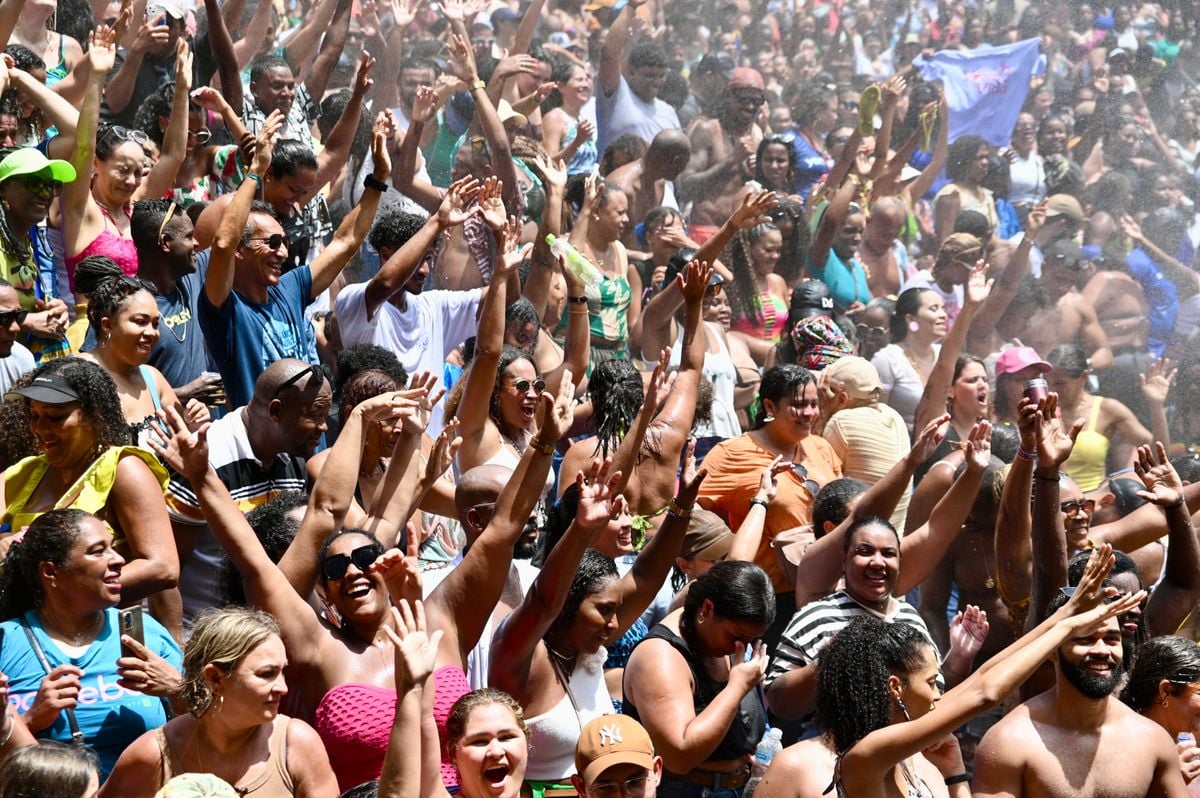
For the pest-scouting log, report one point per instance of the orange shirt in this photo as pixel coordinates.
(734, 469)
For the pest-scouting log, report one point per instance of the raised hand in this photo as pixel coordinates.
(1163, 485)
(768, 480)
(416, 649)
(102, 50)
(461, 63)
(662, 379)
(209, 99)
(362, 78)
(443, 452)
(599, 501)
(693, 281)
(1054, 444)
(453, 210)
(181, 449)
(1037, 217)
(555, 413)
(1027, 424)
(1091, 591)
(930, 438)
(968, 630)
(491, 203)
(1157, 381)
(584, 130)
(593, 190)
(979, 446)
(264, 142)
(425, 105)
(752, 208)
(891, 89)
(404, 12)
(381, 133)
(401, 571)
(512, 65)
(1132, 229)
(424, 394)
(978, 285)
(512, 252)
(552, 174)
(183, 65)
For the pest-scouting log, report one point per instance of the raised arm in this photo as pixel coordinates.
(354, 228)
(59, 112)
(923, 182)
(218, 282)
(463, 66)
(831, 220)
(613, 52)
(553, 174)
(1175, 596)
(76, 199)
(174, 150)
(1014, 519)
(246, 47)
(406, 182)
(337, 147)
(300, 47)
(332, 44)
(221, 45)
(518, 636)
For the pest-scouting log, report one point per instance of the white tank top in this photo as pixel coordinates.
(553, 734)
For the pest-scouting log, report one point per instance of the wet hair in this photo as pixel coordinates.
(1175, 659)
(907, 304)
(107, 288)
(781, 381)
(108, 142)
(521, 312)
(221, 637)
(1122, 564)
(508, 356)
(648, 53)
(289, 156)
(863, 523)
(25, 59)
(98, 398)
(393, 228)
(49, 769)
(961, 153)
(333, 536)
(832, 502)
(594, 571)
(1069, 359)
(264, 63)
(631, 145)
(274, 529)
(739, 591)
(460, 714)
(147, 220)
(853, 699)
(49, 538)
(364, 385)
(364, 357)
(617, 398)
(743, 296)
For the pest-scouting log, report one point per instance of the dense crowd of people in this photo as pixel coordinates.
(538, 398)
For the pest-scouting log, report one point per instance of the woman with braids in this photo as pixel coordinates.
(125, 317)
(233, 685)
(783, 429)
(1164, 686)
(71, 673)
(549, 653)
(28, 184)
(758, 297)
(87, 464)
(877, 692)
(692, 685)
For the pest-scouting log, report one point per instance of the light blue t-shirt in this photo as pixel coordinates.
(624, 112)
(847, 283)
(109, 716)
(244, 337)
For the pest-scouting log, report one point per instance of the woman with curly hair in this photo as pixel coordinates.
(59, 590)
(233, 684)
(125, 317)
(758, 297)
(1163, 683)
(86, 463)
(877, 690)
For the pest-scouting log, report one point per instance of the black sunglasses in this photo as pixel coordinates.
(274, 241)
(810, 485)
(317, 372)
(7, 318)
(335, 565)
(523, 386)
(39, 186)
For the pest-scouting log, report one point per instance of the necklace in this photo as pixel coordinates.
(77, 639)
(186, 316)
(990, 581)
(916, 364)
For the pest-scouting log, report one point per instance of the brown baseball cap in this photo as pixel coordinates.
(612, 740)
(1064, 205)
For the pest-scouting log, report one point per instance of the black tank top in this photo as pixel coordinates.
(747, 728)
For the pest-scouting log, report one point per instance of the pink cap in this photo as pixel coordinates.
(1018, 358)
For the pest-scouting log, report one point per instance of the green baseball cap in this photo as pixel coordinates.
(30, 161)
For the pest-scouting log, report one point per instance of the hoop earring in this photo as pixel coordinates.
(903, 709)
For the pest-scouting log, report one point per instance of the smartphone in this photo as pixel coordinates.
(130, 623)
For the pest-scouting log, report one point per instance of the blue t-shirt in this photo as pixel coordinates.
(1161, 296)
(244, 337)
(109, 716)
(847, 284)
(180, 353)
(811, 165)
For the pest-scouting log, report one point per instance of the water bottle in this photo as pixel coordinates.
(770, 745)
(583, 269)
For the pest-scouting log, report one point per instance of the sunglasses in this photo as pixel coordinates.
(811, 485)
(336, 565)
(40, 187)
(523, 386)
(274, 241)
(10, 317)
(866, 329)
(125, 134)
(751, 102)
(1069, 591)
(201, 136)
(779, 138)
(1073, 507)
(317, 372)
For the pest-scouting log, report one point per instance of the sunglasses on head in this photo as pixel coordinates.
(8, 318)
(1073, 507)
(274, 241)
(523, 386)
(125, 134)
(335, 565)
(317, 372)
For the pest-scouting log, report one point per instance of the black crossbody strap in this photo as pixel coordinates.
(76, 734)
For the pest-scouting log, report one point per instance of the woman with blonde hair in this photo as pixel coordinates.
(233, 686)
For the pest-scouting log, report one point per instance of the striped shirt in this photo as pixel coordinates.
(817, 622)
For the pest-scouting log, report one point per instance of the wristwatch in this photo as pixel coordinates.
(370, 182)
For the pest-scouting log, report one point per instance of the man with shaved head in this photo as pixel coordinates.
(649, 181)
(881, 251)
(258, 451)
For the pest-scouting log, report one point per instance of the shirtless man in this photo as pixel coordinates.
(1077, 738)
(1074, 318)
(880, 252)
(647, 182)
(721, 149)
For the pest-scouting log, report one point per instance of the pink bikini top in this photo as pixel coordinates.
(110, 244)
(355, 723)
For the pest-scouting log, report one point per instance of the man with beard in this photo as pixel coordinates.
(1077, 738)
